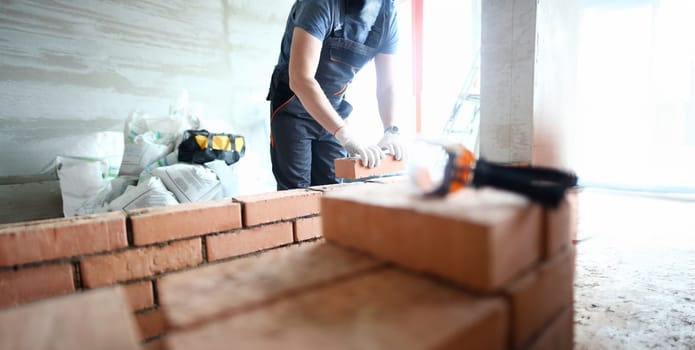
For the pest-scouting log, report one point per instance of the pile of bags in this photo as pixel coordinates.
(164, 161)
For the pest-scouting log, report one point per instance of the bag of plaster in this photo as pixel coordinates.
(86, 169)
(228, 179)
(149, 138)
(85, 184)
(190, 182)
(148, 193)
(118, 186)
(169, 159)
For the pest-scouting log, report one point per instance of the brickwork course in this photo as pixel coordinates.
(358, 265)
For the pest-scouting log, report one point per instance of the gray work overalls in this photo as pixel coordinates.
(301, 150)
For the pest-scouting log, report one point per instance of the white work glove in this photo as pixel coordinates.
(370, 155)
(392, 143)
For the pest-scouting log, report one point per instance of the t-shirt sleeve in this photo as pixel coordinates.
(390, 43)
(314, 16)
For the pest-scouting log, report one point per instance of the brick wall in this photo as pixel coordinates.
(490, 244)
(188, 270)
(136, 249)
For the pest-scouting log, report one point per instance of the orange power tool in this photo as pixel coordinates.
(438, 169)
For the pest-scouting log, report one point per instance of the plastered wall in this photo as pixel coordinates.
(70, 69)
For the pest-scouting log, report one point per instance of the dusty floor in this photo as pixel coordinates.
(635, 276)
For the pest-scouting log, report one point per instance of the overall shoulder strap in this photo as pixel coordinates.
(338, 11)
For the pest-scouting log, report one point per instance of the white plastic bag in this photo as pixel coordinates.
(227, 177)
(84, 184)
(86, 169)
(170, 159)
(148, 193)
(190, 182)
(149, 138)
(118, 187)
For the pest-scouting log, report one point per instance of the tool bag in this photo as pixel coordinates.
(201, 146)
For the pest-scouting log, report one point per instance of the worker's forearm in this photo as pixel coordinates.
(387, 108)
(316, 103)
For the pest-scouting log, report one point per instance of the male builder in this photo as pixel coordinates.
(326, 42)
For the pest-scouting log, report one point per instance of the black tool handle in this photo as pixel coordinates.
(544, 185)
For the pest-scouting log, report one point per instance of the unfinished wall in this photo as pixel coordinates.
(194, 271)
(71, 69)
(47, 258)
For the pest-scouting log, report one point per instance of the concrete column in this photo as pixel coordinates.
(506, 79)
(528, 66)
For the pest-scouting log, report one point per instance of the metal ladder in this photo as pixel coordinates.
(460, 128)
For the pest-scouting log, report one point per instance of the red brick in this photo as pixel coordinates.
(351, 168)
(390, 179)
(157, 344)
(140, 262)
(281, 205)
(30, 284)
(559, 335)
(42, 240)
(481, 239)
(249, 240)
(97, 319)
(151, 323)
(140, 295)
(558, 226)
(200, 295)
(346, 186)
(161, 224)
(540, 295)
(307, 228)
(387, 309)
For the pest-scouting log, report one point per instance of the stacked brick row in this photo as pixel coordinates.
(476, 270)
(479, 269)
(492, 246)
(135, 249)
(97, 319)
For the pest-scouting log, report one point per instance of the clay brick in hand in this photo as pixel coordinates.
(42, 240)
(385, 309)
(162, 224)
(277, 206)
(202, 295)
(480, 239)
(97, 319)
(351, 168)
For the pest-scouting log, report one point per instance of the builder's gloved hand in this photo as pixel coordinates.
(391, 141)
(370, 155)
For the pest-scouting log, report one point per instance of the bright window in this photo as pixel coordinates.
(636, 94)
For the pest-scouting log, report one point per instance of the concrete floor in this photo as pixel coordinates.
(635, 276)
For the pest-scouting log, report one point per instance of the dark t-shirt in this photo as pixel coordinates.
(316, 17)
